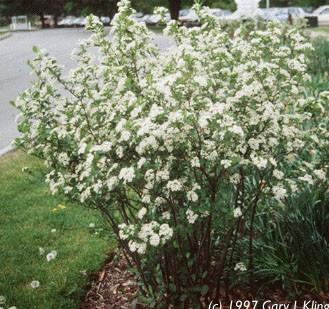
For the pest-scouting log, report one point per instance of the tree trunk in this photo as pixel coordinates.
(55, 21)
(42, 19)
(113, 8)
(174, 7)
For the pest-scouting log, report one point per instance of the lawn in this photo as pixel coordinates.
(30, 218)
(321, 29)
(3, 35)
(4, 30)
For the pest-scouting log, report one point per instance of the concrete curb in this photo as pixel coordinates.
(6, 150)
(5, 36)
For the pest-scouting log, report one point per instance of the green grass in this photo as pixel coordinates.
(26, 221)
(156, 28)
(3, 34)
(321, 29)
(4, 29)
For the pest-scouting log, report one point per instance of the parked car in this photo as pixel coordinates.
(189, 18)
(48, 21)
(151, 19)
(105, 20)
(282, 14)
(66, 21)
(137, 17)
(79, 22)
(267, 14)
(219, 13)
(183, 12)
(322, 13)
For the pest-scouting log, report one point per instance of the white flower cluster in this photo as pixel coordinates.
(151, 233)
(240, 267)
(191, 216)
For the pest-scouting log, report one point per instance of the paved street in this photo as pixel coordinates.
(14, 72)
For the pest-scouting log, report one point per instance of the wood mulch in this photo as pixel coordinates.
(114, 287)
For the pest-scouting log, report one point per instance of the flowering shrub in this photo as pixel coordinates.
(177, 149)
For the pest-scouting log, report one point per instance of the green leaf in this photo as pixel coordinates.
(204, 289)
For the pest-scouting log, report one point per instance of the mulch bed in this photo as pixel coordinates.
(114, 287)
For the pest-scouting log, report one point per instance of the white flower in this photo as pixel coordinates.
(35, 284)
(235, 178)
(51, 255)
(98, 187)
(147, 230)
(2, 299)
(205, 214)
(195, 162)
(53, 231)
(240, 267)
(321, 174)
(191, 216)
(112, 182)
(279, 192)
(93, 21)
(123, 235)
(166, 215)
(192, 196)
(82, 148)
(254, 143)
(237, 212)
(203, 122)
(141, 248)
(261, 163)
(142, 213)
(165, 232)
(154, 240)
(63, 158)
(132, 246)
(201, 80)
(293, 187)
(83, 272)
(278, 174)
(307, 178)
(125, 135)
(237, 130)
(159, 201)
(25, 169)
(91, 225)
(174, 185)
(127, 174)
(273, 161)
(226, 163)
(125, 231)
(141, 162)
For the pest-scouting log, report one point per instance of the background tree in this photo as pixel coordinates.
(174, 7)
(33, 7)
(147, 7)
(109, 7)
(86, 7)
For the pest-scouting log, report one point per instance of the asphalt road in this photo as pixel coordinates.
(15, 76)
